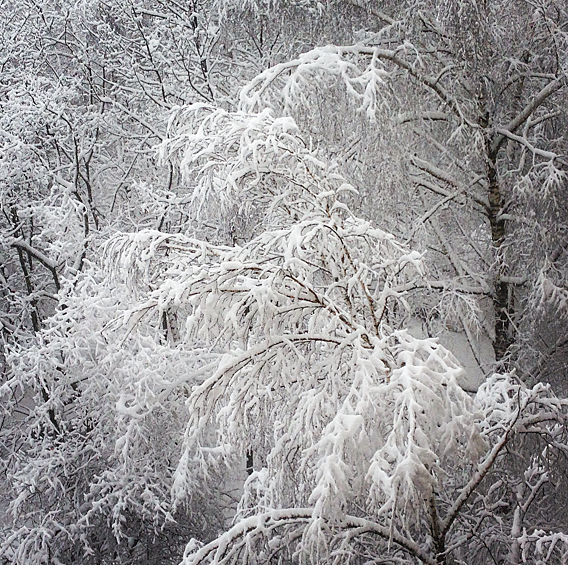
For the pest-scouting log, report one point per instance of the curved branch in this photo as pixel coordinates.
(218, 551)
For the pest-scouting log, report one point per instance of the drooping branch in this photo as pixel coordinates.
(219, 551)
(333, 59)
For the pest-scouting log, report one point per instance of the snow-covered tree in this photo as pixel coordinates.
(466, 103)
(363, 441)
(288, 350)
(254, 312)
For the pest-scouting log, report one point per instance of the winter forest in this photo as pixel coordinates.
(283, 282)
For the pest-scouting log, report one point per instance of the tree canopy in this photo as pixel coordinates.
(247, 249)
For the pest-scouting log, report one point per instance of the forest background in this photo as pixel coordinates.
(250, 245)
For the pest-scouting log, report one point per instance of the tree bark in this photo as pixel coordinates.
(501, 303)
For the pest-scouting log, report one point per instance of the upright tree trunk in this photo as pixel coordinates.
(503, 338)
(501, 302)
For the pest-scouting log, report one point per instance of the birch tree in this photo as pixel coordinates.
(364, 443)
(288, 350)
(470, 97)
(255, 306)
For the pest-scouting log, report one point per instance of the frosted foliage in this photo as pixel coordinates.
(118, 397)
(359, 69)
(344, 415)
(298, 316)
(549, 292)
(386, 458)
(253, 159)
(380, 448)
(544, 547)
(477, 166)
(264, 308)
(353, 424)
(173, 358)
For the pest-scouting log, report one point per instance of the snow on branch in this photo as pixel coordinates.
(241, 542)
(363, 70)
(547, 547)
(257, 160)
(356, 427)
(360, 69)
